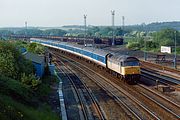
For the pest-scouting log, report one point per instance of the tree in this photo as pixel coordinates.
(54, 32)
(12, 63)
(36, 48)
(29, 32)
(8, 67)
(104, 31)
(92, 31)
(5, 33)
(166, 37)
(118, 31)
(32, 47)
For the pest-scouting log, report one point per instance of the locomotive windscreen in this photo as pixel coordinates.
(131, 61)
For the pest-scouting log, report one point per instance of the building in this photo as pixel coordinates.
(38, 62)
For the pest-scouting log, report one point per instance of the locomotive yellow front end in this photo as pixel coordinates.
(128, 67)
(131, 69)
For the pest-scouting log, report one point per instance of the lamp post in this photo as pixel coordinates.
(113, 13)
(26, 29)
(85, 17)
(175, 49)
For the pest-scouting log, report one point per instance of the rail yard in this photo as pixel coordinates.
(100, 93)
(96, 60)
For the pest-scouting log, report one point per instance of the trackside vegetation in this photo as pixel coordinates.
(152, 42)
(23, 96)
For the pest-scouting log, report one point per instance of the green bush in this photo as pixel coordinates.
(167, 42)
(36, 48)
(44, 88)
(21, 93)
(178, 50)
(30, 80)
(133, 45)
(12, 62)
(17, 90)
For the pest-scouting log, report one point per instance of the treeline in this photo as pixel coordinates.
(95, 31)
(91, 32)
(77, 30)
(33, 32)
(157, 26)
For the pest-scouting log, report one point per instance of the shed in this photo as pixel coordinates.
(38, 62)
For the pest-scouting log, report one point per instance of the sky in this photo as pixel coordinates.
(55, 13)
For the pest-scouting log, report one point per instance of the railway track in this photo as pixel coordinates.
(160, 74)
(175, 115)
(155, 102)
(81, 90)
(162, 70)
(153, 75)
(129, 102)
(167, 105)
(159, 95)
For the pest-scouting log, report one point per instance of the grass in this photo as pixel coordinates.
(44, 88)
(18, 102)
(13, 110)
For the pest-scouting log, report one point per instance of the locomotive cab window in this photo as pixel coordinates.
(131, 63)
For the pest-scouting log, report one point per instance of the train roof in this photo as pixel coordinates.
(120, 57)
(100, 52)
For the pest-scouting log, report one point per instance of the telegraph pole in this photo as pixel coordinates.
(175, 49)
(113, 14)
(85, 32)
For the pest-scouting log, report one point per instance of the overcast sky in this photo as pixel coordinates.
(69, 12)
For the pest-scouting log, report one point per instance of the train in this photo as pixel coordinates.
(127, 67)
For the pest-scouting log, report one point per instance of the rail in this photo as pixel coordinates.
(113, 93)
(95, 103)
(167, 71)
